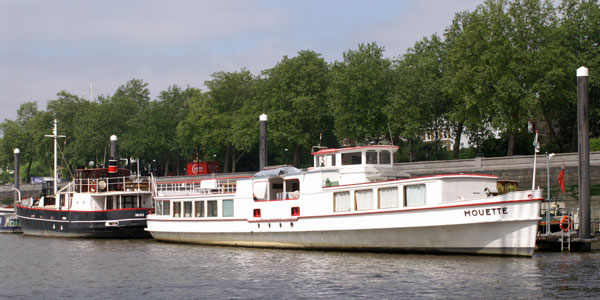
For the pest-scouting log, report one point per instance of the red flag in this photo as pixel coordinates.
(561, 179)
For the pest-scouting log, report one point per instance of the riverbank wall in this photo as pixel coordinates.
(515, 168)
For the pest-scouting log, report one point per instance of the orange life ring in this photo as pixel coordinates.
(565, 223)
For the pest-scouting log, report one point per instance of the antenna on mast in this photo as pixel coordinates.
(55, 136)
(91, 91)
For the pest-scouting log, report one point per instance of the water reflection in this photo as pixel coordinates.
(132, 269)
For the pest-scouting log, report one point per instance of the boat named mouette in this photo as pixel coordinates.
(351, 200)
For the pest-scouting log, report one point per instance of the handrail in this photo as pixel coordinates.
(107, 184)
(206, 186)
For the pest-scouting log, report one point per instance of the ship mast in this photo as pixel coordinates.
(55, 136)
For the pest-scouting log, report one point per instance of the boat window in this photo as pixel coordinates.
(372, 157)
(353, 158)
(332, 157)
(295, 211)
(109, 203)
(176, 209)
(364, 199)
(292, 189)
(212, 208)
(385, 157)
(199, 209)
(341, 201)
(187, 209)
(162, 208)
(260, 190)
(414, 195)
(388, 197)
(321, 160)
(276, 190)
(128, 201)
(228, 208)
(13, 223)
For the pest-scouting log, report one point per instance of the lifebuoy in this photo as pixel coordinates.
(565, 223)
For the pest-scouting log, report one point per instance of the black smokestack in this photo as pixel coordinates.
(114, 155)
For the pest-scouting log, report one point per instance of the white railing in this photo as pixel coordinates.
(108, 184)
(206, 186)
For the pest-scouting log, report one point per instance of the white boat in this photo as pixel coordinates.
(352, 199)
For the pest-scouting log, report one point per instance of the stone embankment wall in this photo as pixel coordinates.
(520, 169)
(517, 168)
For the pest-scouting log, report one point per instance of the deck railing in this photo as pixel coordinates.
(206, 186)
(108, 184)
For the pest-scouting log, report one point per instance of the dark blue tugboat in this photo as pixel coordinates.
(97, 203)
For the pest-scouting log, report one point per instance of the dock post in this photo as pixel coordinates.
(584, 152)
(263, 142)
(17, 177)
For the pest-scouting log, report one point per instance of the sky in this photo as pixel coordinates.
(50, 46)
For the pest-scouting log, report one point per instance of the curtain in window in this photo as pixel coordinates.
(212, 208)
(388, 197)
(187, 209)
(199, 209)
(364, 199)
(227, 208)
(342, 201)
(260, 190)
(415, 195)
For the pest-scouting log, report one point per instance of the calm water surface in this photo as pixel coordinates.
(53, 268)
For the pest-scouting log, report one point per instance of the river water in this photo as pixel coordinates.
(55, 268)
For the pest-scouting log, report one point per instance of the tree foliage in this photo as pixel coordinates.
(494, 69)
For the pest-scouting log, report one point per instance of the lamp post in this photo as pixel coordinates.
(548, 158)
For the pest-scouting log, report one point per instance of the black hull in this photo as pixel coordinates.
(118, 223)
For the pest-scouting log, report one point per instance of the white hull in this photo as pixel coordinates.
(350, 200)
(431, 230)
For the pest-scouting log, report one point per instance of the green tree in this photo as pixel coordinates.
(68, 110)
(112, 115)
(293, 95)
(417, 102)
(27, 134)
(501, 65)
(213, 115)
(358, 94)
(152, 132)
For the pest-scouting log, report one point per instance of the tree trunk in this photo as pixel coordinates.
(227, 158)
(233, 159)
(558, 140)
(178, 165)
(575, 140)
(456, 149)
(27, 172)
(166, 173)
(511, 145)
(297, 156)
